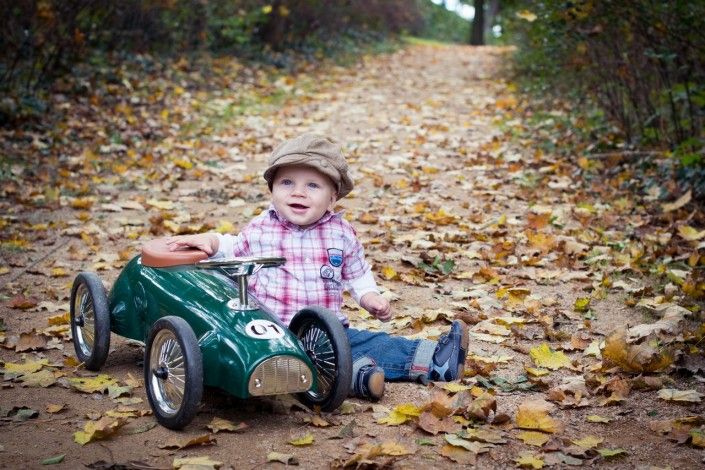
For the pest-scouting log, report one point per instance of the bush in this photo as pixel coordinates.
(643, 62)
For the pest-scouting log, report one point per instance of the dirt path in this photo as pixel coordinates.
(426, 131)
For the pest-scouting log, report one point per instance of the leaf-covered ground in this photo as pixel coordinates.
(576, 279)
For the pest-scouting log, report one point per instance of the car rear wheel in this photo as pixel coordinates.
(324, 340)
(173, 372)
(90, 320)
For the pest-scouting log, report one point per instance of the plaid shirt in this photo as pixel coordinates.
(321, 262)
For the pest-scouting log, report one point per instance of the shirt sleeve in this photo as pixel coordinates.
(230, 246)
(357, 272)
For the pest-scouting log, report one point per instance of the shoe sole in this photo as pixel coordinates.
(375, 386)
(465, 343)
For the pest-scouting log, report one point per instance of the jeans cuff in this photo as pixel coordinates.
(421, 363)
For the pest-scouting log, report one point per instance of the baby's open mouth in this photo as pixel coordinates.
(298, 206)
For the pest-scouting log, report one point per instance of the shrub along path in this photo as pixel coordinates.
(465, 212)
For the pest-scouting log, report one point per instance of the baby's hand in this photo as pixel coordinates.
(206, 242)
(377, 306)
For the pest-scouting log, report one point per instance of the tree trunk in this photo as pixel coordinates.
(477, 36)
(492, 12)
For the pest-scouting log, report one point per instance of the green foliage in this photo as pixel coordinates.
(441, 24)
(642, 62)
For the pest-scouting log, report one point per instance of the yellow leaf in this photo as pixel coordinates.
(698, 437)
(388, 273)
(582, 304)
(394, 448)
(82, 203)
(534, 438)
(526, 460)
(689, 233)
(165, 205)
(454, 387)
(526, 15)
(183, 163)
(52, 408)
(533, 414)
(57, 320)
(95, 430)
(517, 295)
(225, 226)
(535, 372)
(544, 356)
(58, 272)
(598, 419)
(306, 440)
(100, 383)
(27, 367)
(588, 442)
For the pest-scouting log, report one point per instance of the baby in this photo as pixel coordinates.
(306, 176)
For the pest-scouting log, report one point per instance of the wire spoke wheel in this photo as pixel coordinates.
(319, 349)
(325, 342)
(167, 361)
(173, 372)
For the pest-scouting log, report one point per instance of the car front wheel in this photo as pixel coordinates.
(173, 372)
(324, 340)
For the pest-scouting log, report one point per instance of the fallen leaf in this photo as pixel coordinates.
(433, 425)
(286, 459)
(597, 419)
(678, 203)
(689, 233)
(609, 453)
(671, 394)
(99, 383)
(458, 454)
(533, 414)
(26, 367)
(182, 443)
(196, 463)
(544, 356)
(96, 430)
(633, 358)
(528, 460)
(400, 414)
(219, 424)
(54, 460)
(52, 408)
(588, 442)
(534, 438)
(305, 440)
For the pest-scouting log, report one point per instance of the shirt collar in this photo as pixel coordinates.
(285, 223)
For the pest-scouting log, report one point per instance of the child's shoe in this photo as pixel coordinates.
(448, 361)
(369, 382)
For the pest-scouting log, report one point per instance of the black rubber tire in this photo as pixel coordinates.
(92, 356)
(331, 326)
(182, 415)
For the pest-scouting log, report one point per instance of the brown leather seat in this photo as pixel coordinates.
(156, 254)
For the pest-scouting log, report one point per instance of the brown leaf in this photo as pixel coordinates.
(30, 341)
(633, 358)
(176, 443)
(432, 425)
(21, 302)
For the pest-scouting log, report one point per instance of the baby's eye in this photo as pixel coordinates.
(313, 185)
(285, 182)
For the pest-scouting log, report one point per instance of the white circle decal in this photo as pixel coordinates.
(264, 329)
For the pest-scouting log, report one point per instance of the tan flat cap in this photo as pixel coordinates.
(317, 152)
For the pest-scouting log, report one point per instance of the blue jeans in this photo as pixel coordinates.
(401, 358)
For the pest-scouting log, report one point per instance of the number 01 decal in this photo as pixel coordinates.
(264, 329)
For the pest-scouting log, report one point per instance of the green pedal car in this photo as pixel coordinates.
(200, 329)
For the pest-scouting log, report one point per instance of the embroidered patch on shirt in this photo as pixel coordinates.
(335, 257)
(327, 272)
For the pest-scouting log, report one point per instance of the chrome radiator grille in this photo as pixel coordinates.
(280, 374)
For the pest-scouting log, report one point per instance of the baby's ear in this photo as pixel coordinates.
(333, 200)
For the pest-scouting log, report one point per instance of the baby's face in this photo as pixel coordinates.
(302, 195)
